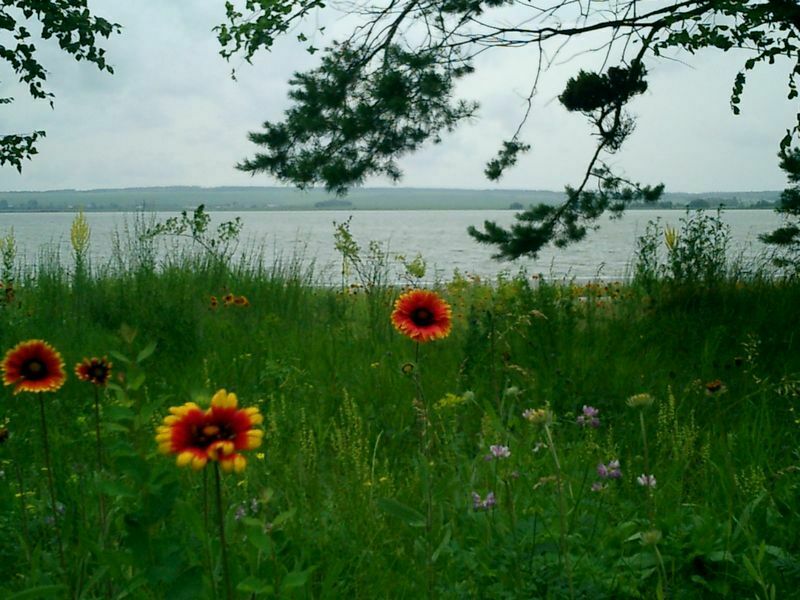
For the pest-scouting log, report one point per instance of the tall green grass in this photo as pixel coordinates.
(364, 485)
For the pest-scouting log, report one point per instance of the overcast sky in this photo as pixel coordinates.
(172, 115)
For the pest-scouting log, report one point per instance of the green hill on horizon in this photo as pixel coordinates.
(281, 198)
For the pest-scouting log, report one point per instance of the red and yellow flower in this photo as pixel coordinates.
(218, 433)
(422, 315)
(33, 366)
(94, 370)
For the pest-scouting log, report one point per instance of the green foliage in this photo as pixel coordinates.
(786, 238)
(697, 252)
(220, 246)
(350, 122)
(364, 485)
(77, 31)
(561, 225)
(380, 92)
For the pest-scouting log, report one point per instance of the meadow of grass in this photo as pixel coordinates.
(482, 465)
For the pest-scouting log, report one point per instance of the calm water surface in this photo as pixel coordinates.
(439, 236)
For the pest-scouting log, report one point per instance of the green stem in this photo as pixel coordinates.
(651, 498)
(562, 510)
(51, 485)
(223, 545)
(24, 511)
(99, 444)
(209, 559)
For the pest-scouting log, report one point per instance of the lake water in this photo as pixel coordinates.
(439, 236)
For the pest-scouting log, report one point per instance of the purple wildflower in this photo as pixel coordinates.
(646, 480)
(589, 417)
(499, 451)
(478, 504)
(609, 471)
(476, 501)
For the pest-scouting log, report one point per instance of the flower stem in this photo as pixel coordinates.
(223, 545)
(24, 512)
(208, 540)
(51, 484)
(651, 503)
(99, 444)
(562, 510)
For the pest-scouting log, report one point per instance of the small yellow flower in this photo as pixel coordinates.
(671, 237)
(640, 400)
(538, 416)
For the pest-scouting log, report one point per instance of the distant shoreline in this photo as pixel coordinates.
(271, 199)
(240, 209)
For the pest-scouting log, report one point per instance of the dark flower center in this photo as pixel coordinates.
(99, 373)
(422, 317)
(714, 386)
(33, 370)
(202, 437)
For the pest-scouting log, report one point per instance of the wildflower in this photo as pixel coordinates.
(651, 538)
(196, 436)
(79, 234)
(497, 451)
(609, 471)
(589, 417)
(640, 400)
(228, 299)
(538, 416)
(407, 368)
(511, 392)
(485, 504)
(422, 315)
(241, 301)
(94, 370)
(241, 513)
(214, 303)
(598, 487)
(715, 388)
(646, 480)
(538, 446)
(671, 237)
(33, 366)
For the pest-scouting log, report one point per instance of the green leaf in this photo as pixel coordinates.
(283, 517)
(120, 357)
(257, 536)
(43, 591)
(253, 585)
(397, 509)
(720, 555)
(114, 489)
(296, 579)
(136, 381)
(442, 545)
(146, 352)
